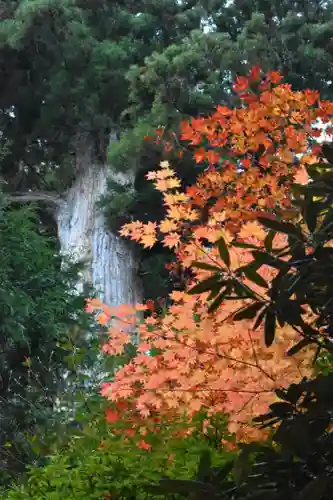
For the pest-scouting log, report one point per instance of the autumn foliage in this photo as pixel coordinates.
(204, 358)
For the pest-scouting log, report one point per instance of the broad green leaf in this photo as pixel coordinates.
(265, 259)
(239, 244)
(317, 167)
(242, 291)
(205, 266)
(183, 486)
(294, 392)
(248, 312)
(282, 394)
(220, 298)
(281, 409)
(310, 213)
(328, 152)
(252, 275)
(291, 311)
(269, 241)
(263, 418)
(316, 488)
(204, 466)
(225, 470)
(242, 462)
(259, 319)
(223, 251)
(206, 285)
(326, 176)
(264, 494)
(216, 290)
(300, 345)
(242, 467)
(318, 188)
(270, 326)
(327, 222)
(280, 227)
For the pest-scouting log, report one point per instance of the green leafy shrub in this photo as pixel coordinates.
(42, 324)
(97, 462)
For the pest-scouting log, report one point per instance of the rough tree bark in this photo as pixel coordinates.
(110, 264)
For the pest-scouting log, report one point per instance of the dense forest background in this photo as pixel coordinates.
(73, 74)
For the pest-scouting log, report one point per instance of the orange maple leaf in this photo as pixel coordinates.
(213, 157)
(168, 225)
(209, 360)
(200, 155)
(252, 230)
(241, 84)
(112, 416)
(171, 240)
(167, 184)
(274, 77)
(144, 445)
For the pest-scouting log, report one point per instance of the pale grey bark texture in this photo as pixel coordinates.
(110, 265)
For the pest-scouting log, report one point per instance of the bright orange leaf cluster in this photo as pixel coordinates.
(207, 360)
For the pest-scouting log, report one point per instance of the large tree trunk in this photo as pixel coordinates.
(109, 262)
(110, 265)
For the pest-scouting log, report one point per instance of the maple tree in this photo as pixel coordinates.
(203, 358)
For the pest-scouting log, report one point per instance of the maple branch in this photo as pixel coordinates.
(175, 389)
(247, 403)
(221, 356)
(255, 354)
(232, 275)
(245, 363)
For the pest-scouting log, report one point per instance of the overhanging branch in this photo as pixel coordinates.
(32, 196)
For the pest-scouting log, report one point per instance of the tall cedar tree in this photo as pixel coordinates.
(90, 66)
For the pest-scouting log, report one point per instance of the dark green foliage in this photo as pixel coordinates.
(95, 462)
(290, 36)
(63, 74)
(191, 75)
(42, 321)
(297, 467)
(155, 278)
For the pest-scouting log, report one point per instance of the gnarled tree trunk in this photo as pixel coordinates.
(109, 262)
(110, 265)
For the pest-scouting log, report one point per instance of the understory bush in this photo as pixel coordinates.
(99, 463)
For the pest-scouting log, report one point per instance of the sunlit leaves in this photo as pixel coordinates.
(252, 251)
